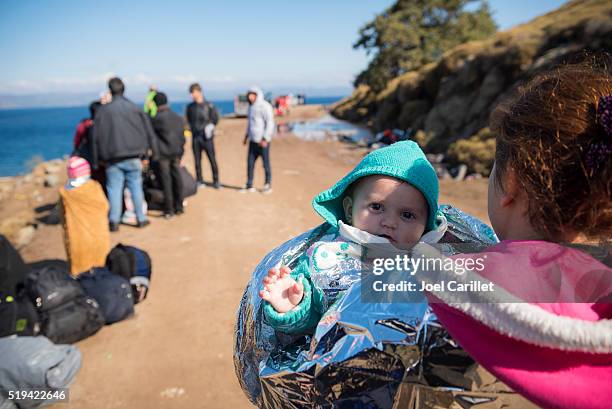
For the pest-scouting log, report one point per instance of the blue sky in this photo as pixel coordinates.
(74, 46)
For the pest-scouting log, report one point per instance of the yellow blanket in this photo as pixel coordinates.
(85, 219)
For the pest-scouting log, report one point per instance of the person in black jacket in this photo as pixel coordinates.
(202, 117)
(168, 127)
(123, 136)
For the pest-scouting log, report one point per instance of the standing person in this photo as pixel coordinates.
(550, 203)
(202, 117)
(259, 134)
(84, 145)
(168, 127)
(149, 107)
(123, 136)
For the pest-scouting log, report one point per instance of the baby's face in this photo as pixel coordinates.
(388, 207)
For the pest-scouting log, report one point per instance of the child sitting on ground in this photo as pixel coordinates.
(84, 212)
(390, 197)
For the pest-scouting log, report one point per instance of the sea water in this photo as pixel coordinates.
(31, 135)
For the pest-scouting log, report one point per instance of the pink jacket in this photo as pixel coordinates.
(555, 348)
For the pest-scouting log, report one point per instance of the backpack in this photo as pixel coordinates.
(67, 315)
(134, 265)
(112, 292)
(17, 314)
(50, 287)
(27, 320)
(12, 269)
(72, 321)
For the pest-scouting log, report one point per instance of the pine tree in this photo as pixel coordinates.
(412, 33)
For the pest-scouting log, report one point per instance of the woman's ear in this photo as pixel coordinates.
(347, 205)
(511, 190)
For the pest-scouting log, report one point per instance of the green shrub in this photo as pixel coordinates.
(477, 152)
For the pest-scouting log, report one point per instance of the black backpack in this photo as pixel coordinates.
(50, 287)
(17, 314)
(12, 269)
(134, 265)
(112, 292)
(67, 315)
(72, 321)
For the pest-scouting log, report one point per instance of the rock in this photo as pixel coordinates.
(52, 167)
(172, 392)
(51, 180)
(24, 236)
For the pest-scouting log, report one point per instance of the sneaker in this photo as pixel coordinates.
(113, 226)
(168, 216)
(217, 185)
(179, 212)
(248, 189)
(267, 188)
(201, 184)
(143, 223)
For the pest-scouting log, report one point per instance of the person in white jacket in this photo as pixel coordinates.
(259, 133)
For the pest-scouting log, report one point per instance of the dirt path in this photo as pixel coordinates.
(177, 351)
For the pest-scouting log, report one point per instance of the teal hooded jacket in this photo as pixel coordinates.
(402, 160)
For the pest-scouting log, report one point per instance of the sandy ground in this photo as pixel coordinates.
(176, 352)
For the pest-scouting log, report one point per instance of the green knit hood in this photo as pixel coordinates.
(401, 160)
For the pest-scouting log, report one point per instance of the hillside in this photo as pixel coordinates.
(451, 100)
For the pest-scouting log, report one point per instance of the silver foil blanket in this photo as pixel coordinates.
(362, 355)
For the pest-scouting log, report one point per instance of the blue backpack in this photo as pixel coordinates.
(112, 292)
(134, 265)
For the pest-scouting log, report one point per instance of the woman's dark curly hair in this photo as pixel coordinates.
(545, 134)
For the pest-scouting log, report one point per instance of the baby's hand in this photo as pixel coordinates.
(281, 291)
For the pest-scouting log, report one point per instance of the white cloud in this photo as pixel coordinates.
(97, 82)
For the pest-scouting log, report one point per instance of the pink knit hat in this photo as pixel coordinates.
(78, 167)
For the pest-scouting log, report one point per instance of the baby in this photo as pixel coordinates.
(390, 197)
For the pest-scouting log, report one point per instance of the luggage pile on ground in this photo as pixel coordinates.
(154, 194)
(43, 307)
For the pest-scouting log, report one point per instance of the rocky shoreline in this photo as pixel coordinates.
(447, 104)
(25, 199)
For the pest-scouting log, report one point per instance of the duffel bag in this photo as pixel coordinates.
(154, 198)
(72, 321)
(190, 186)
(112, 292)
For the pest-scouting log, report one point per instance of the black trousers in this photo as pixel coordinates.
(169, 175)
(256, 151)
(199, 144)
